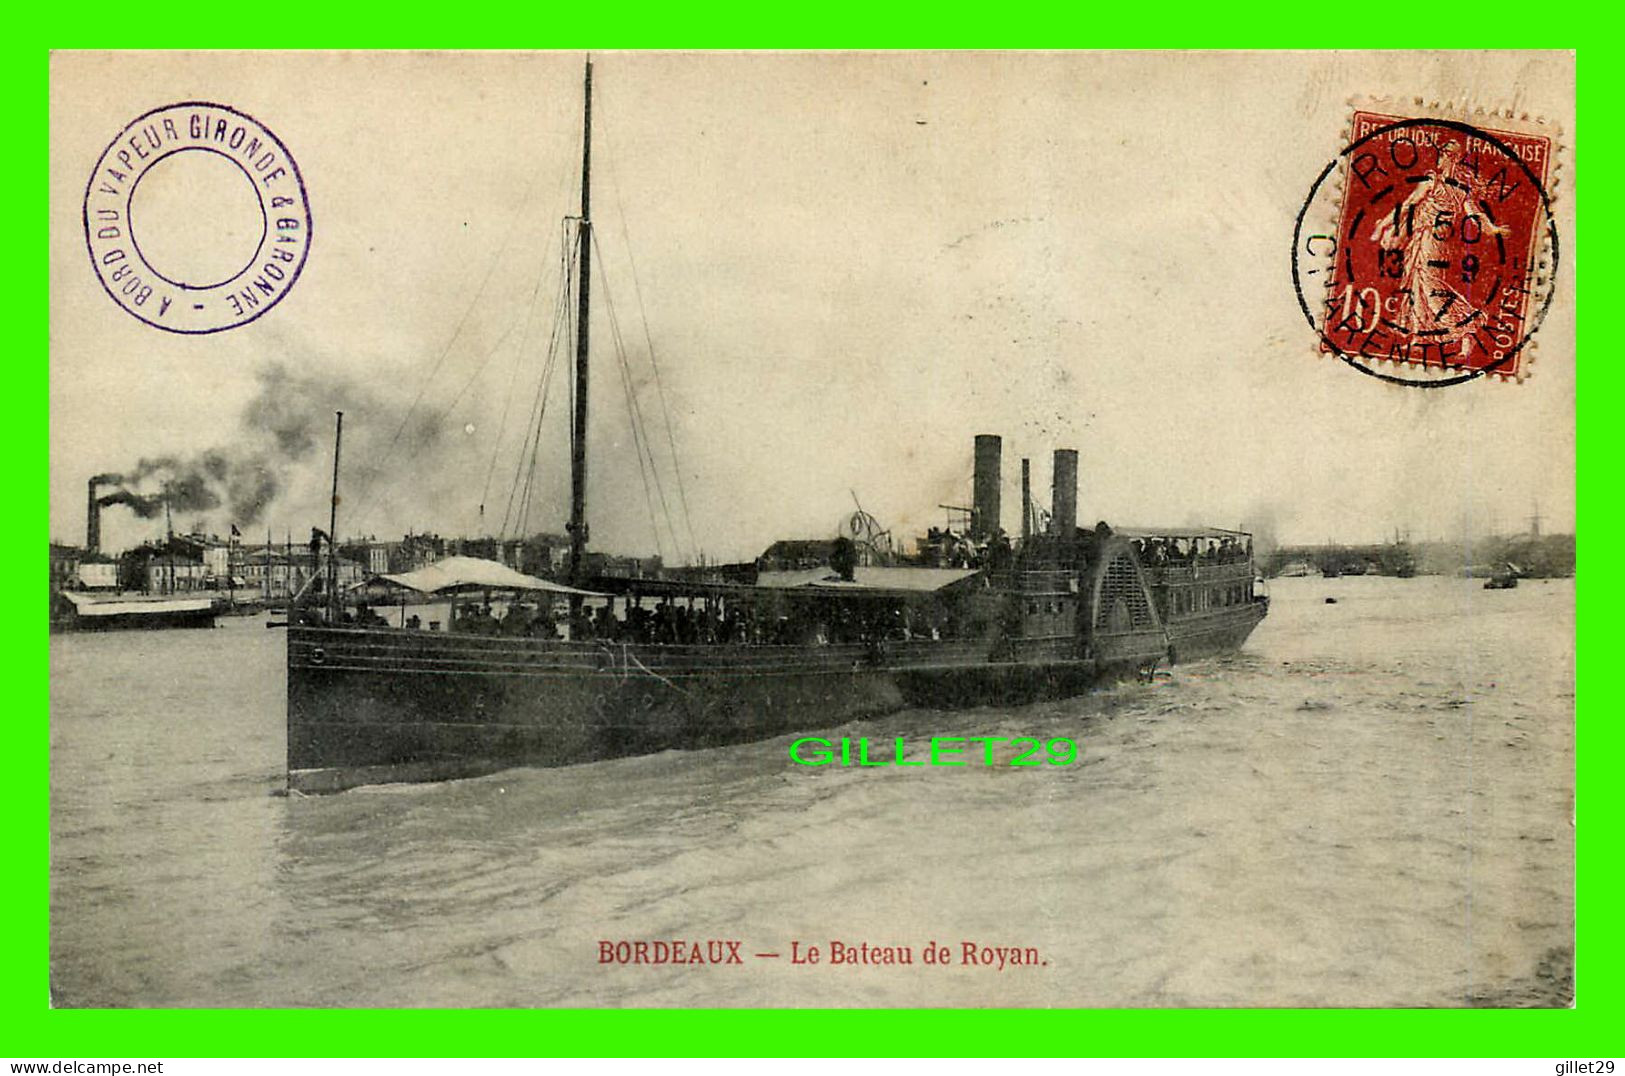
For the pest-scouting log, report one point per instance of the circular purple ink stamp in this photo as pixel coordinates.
(196, 218)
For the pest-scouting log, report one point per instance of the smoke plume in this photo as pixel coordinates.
(280, 430)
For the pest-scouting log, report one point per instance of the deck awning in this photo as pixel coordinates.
(869, 580)
(1177, 532)
(475, 573)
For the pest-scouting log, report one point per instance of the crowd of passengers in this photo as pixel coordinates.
(709, 623)
(1161, 552)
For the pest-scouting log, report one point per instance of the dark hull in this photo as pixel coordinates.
(367, 706)
(1218, 632)
(137, 621)
(377, 705)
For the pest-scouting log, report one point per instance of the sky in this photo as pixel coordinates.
(845, 266)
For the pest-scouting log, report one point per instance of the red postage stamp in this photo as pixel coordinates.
(1442, 256)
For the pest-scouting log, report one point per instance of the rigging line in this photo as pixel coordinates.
(389, 484)
(564, 322)
(561, 323)
(634, 406)
(643, 318)
(637, 442)
(457, 332)
(639, 437)
(645, 446)
(511, 232)
(513, 380)
(502, 426)
(532, 423)
(538, 406)
(522, 523)
(626, 392)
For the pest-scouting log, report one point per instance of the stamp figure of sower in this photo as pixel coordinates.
(1439, 219)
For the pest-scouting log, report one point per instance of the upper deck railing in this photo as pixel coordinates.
(1200, 572)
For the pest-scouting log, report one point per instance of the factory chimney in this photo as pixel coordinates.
(1064, 495)
(985, 491)
(93, 521)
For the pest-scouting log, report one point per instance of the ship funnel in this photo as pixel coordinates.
(985, 505)
(1064, 495)
(93, 521)
(1026, 499)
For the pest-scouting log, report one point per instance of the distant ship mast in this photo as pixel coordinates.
(578, 427)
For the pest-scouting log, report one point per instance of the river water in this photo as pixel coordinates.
(1371, 804)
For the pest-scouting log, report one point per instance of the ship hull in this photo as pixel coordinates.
(138, 622)
(371, 706)
(1222, 631)
(77, 613)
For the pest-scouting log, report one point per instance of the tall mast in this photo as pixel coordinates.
(578, 427)
(333, 603)
(169, 543)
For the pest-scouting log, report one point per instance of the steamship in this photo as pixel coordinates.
(82, 604)
(644, 665)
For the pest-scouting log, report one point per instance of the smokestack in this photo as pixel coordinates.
(93, 521)
(1026, 499)
(1064, 495)
(985, 503)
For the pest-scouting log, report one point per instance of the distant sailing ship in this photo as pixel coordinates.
(641, 665)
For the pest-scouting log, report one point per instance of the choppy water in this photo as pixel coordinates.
(1371, 805)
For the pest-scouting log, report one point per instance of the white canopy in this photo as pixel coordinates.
(475, 573)
(923, 580)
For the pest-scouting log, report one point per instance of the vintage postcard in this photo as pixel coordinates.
(928, 529)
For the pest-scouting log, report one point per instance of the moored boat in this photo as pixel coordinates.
(72, 611)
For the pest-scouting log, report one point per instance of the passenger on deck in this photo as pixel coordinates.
(999, 553)
(542, 625)
(517, 621)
